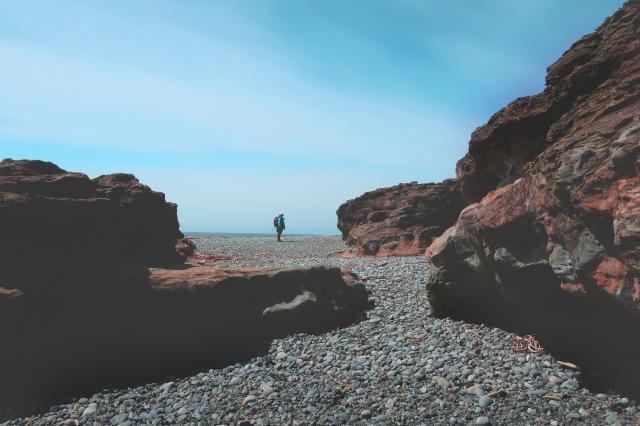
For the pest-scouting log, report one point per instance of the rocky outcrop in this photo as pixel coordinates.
(401, 220)
(552, 240)
(53, 218)
(140, 324)
(94, 291)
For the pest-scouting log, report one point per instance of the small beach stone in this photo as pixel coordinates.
(90, 410)
(485, 401)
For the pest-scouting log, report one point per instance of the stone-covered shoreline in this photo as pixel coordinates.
(399, 365)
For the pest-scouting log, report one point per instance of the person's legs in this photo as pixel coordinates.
(279, 233)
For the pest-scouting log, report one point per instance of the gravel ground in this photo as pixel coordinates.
(399, 366)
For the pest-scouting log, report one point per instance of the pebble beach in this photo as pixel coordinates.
(397, 365)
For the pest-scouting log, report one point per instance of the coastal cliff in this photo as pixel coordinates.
(550, 241)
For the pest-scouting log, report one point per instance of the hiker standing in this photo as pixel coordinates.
(278, 222)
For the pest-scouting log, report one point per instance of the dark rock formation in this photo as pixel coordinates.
(137, 324)
(84, 305)
(401, 220)
(52, 218)
(556, 247)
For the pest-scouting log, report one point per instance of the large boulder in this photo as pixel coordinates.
(401, 220)
(135, 324)
(552, 242)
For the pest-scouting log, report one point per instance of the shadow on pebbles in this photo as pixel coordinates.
(397, 365)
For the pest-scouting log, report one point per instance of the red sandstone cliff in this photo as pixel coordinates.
(591, 92)
(552, 241)
(401, 220)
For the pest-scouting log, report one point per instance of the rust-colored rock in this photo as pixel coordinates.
(610, 275)
(591, 92)
(575, 209)
(401, 220)
(552, 241)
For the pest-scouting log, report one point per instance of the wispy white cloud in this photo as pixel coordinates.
(62, 98)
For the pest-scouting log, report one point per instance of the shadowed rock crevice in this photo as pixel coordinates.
(590, 330)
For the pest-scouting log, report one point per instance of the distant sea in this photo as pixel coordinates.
(249, 234)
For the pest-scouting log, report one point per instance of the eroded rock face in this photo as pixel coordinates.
(590, 93)
(401, 220)
(138, 323)
(556, 246)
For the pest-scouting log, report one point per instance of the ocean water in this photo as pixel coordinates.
(249, 235)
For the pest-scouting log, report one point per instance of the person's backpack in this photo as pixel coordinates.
(275, 221)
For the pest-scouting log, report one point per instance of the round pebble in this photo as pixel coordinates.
(482, 420)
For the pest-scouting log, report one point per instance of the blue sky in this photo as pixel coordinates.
(239, 110)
